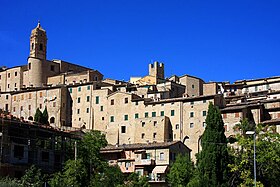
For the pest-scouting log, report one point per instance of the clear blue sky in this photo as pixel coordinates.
(224, 40)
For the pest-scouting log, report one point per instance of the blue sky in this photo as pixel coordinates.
(224, 40)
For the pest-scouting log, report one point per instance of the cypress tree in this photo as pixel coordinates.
(45, 116)
(38, 116)
(213, 160)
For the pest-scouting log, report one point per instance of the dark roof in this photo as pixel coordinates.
(141, 146)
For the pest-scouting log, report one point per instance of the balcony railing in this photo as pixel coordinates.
(145, 162)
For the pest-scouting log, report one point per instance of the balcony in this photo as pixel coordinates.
(144, 162)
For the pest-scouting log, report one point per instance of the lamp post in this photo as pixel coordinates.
(255, 169)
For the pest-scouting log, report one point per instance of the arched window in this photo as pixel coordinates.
(30, 118)
(32, 46)
(52, 120)
(41, 47)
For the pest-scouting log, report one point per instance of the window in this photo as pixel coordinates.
(143, 135)
(8, 85)
(52, 67)
(21, 108)
(112, 119)
(204, 101)
(45, 156)
(0, 77)
(78, 111)
(155, 123)
(125, 100)
(87, 110)
(191, 114)
(7, 96)
(237, 114)
(146, 114)
(125, 117)
(41, 94)
(101, 108)
(136, 103)
(161, 113)
(22, 97)
(224, 116)
(123, 129)
(102, 118)
(9, 75)
(70, 90)
(14, 109)
(191, 125)
(177, 126)
(143, 124)
(192, 102)
(161, 156)
(256, 88)
(172, 112)
(15, 85)
(204, 113)
(29, 107)
(40, 106)
(88, 98)
(136, 116)
(154, 135)
(153, 114)
(54, 104)
(79, 99)
(29, 96)
(18, 151)
(192, 86)
(15, 98)
(15, 74)
(29, 66)
(97, 99)
(79, 88)
(41, 47)
(112, 101)
(88, 87)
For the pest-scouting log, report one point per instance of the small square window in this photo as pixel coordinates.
(136, 116)
(70, 90)
(125, 100)
(161, 113)
(102, 118)
(88, 87)
(125, 117)
(54, 104)
(192, 86)
(136, 103)
(204, 101)
(192, 102)
(101, 108)
(191, 114)
(146, 114)
(153, 114)
(177, 126)
(112, 119)
(172, 112)
(52, 67)
(79, 88)
(143, 124)
(112, 102)
(191, 125)
(204, 113)
(155, 123)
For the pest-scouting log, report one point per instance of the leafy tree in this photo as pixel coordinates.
(111, 176)
(33, 177)
(38, 116)
(9, 182)
(89, 150)
(134, 180)
(45, 116)
(213, 160)
(181, 171)
(74, 174)
(267, 157)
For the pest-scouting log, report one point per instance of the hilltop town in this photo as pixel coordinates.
(150, 119)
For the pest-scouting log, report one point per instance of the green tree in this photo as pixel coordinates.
(267, 157)
(89, 150)
(213, 160)
(45, 116)
(181, 171)
(134, 180)
(33, 177)
(38, 116)
(74, 174)
(9, 182)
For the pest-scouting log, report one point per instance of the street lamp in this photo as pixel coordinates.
(255, 169)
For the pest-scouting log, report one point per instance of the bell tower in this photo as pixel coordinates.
(38, 43)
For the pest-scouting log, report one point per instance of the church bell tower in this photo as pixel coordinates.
(38, 43)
